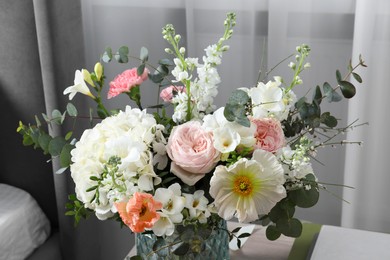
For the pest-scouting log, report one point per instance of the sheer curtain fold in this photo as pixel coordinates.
(366, 168)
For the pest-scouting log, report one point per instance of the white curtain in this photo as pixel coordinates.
(366, 169)
(335, 30)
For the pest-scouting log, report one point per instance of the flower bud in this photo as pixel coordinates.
(307, 65)
(292, 65)
(182, 50)
(177, 37)
(169, 51)
(98, 70)
(87, 77)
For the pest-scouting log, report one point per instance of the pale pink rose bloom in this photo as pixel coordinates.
(126, 81)
(139, 212)
(167, 93)
(192, 152)
(269, 134)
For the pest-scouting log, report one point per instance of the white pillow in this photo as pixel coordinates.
(23, 225)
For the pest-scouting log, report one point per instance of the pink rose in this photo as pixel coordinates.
(192, 152)
(269, 134)
(168, 92)
(126, 81)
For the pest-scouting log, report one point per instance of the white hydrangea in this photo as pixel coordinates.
(115, 159)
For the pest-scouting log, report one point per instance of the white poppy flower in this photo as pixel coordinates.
(248, 188)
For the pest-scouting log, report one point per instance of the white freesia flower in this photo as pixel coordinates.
(225, 139)
(172, 205)
(248, 188)
(79, 86)
(197, 205)
(117, 152)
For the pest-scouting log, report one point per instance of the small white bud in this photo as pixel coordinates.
(182, 50)
(169, 51)
(177, 37)
(292, 65)
(307, 65)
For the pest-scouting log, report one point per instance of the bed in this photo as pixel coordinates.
(25, 231)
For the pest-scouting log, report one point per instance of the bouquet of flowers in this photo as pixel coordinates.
(160, 174)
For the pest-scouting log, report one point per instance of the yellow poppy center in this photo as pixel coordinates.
(243, 186)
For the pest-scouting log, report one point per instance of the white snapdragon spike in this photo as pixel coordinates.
(248, 188)
(213, 56)
(203, 89)
(79, 86)
(295, 163)
(171, 213)
(179, 72)
(117, 154)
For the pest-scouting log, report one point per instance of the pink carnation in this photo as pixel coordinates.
(269, 134)
(192, 152)
(126, 81)
(167, 93)
(139, 212)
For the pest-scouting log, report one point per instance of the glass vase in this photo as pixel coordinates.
(189, 242)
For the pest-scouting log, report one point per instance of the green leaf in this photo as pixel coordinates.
(56, 145)
(328, 120)
(239, 97)
(46, 118)
(141, 69)
(347, 89)
(244, 235)
(122, 55)
(272, 233)
(135, 95)
(71, 109)
(166, 62)
(68, 135)
(236, 113)
(136, 257)
(65, 157)
(37, 121)
(44, 140)
(357, 77)
(338, 76)
(143, 55)
(56, 116)
(330, 94)
(107, 55)
(180, 248)
(305, 198)
(290, 227)
(317, 96)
